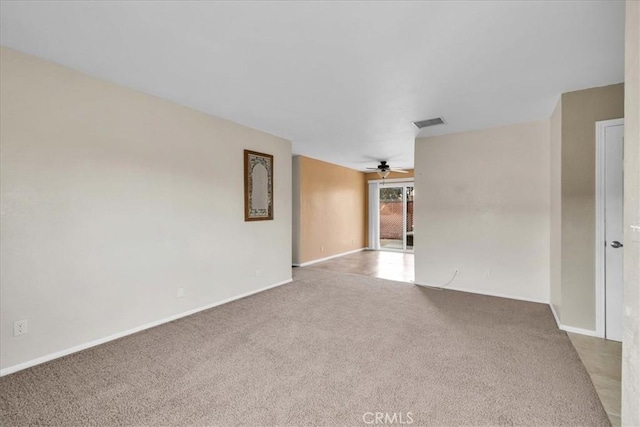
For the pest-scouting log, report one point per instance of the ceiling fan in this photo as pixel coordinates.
(384, 169)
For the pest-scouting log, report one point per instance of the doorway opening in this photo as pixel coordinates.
(609, 228)
(391, 215)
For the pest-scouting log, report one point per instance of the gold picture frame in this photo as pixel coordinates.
(258, 186)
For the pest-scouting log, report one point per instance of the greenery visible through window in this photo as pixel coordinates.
(390, 194)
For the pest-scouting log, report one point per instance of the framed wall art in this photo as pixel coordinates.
(258, 186)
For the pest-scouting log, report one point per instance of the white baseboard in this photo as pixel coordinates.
(580, 331)
(562, 327)
(490, 294)
(572, 329)
(77, 348)
(315, 261)
(555, 315)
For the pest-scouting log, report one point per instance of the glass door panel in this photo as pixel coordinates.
(392, 218)
(409, 218)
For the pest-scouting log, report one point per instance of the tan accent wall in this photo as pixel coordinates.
(482, 206)
(555, 283)
(580, 111)
(331, 211)
(112, 200)
(631, 311)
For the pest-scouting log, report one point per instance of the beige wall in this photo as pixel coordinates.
(555, 290)
(112, 199)
(482, 204)
(631, 335)
(331, 218)
(580, 111)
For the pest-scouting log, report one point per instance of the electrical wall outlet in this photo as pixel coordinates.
(180, 293)
(20, 327)
(487, 274)
(321, 248)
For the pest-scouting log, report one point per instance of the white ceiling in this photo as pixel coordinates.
(342, 80)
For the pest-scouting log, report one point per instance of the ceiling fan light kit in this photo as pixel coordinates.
(383, 170)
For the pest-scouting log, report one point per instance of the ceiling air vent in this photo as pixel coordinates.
(429, 122)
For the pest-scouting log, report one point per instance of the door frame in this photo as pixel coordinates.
(601, 128)
(374, 212)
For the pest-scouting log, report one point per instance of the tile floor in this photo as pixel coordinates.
(601, 358)
(384, 265)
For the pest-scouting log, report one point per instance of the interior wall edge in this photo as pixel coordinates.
(630, 414)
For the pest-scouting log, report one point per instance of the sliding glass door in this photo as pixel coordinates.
(408, 218)
(395, 216)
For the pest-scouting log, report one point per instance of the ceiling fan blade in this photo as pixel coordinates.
(375, 169)
(399, 171)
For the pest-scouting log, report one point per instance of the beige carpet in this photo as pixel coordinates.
(325, 350)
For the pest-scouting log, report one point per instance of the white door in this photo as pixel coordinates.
(613, 179)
